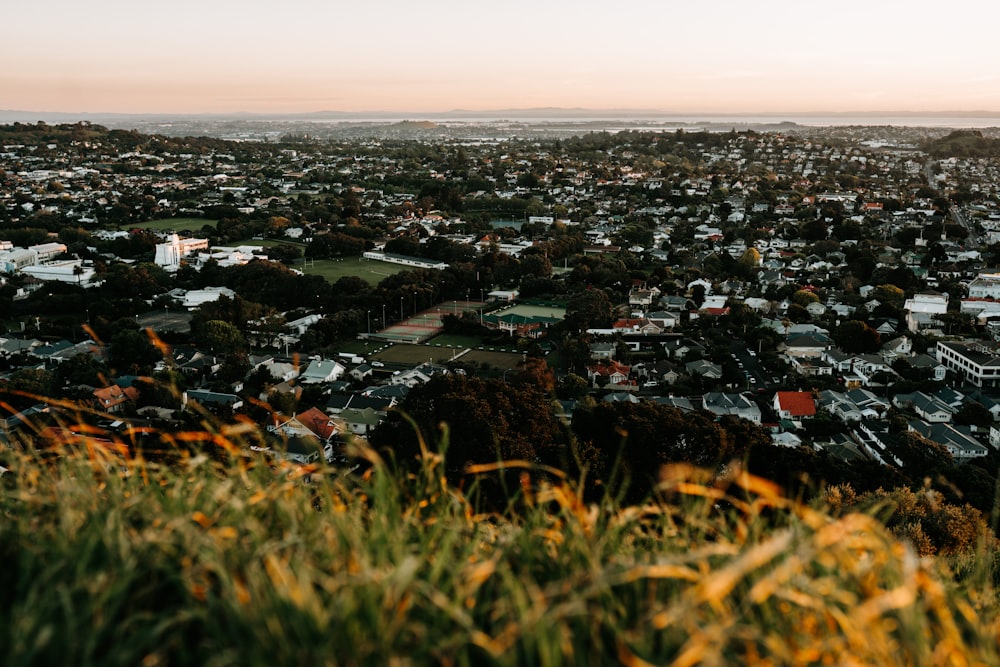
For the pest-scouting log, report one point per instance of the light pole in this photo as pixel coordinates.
(400, 309)
(369, 322)
(384, 323)
(414, 303)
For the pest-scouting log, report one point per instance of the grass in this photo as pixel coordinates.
(454, 340)
(115, 562)
(334, 269)
(498, 360)
(402, 353)
(177, 224)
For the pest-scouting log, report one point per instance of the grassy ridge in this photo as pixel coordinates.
(250, 563)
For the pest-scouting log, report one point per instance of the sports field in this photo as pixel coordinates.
(177, 224)
(426, 324)
(414, 354)
(334, 269)
(498, 360)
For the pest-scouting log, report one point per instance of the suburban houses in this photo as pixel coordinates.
(836, 286)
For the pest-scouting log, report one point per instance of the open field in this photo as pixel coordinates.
(414, 354)
(335, 269)
(453, 340)
(361, 347)
(499, 360)
(268, 243)
(177, 224)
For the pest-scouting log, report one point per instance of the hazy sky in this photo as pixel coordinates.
(405, 55)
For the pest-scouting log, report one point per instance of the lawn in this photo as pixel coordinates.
(177, 224)
(334, 269)
(452, 340)
(267, 243)
(414, 354)
(361, 347)
(498, 360)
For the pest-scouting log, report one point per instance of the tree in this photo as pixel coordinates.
(804, 297)
(973, 413)
(921, 457)
(222, 337)
(487, 420)
(854, 336)
(132, 352)
(588, 309)
(572, 386)
(637, 439)
(82, 369)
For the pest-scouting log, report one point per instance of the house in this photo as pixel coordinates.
(840, 446)
(681, 347)
(321, 370)
(610, 374)
(704, 368)
(210, 399)
(305, 437)
(602, 350)
(960, 444)
(807, 345)
(896, 348)
(419, 375)
(926, 303)
(339, 402)
(361, 421)
(643, 298)
(935, 371)
(113, 399)
(875, 439)
(928, 408)
(318, 423)
(281, 370)
(13, 346)
(736, 405)
(794, 404)
(360, 372)
(636, 325)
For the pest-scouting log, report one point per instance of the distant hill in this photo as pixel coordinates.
(963, 143)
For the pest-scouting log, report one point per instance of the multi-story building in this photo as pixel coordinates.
(977, 363)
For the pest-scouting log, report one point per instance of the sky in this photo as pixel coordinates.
(710, 56)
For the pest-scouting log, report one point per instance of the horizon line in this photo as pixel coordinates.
(519, 110)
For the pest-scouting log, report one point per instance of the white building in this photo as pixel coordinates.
(926, 303)
(48, 251)
(169, 254)
(12, 261)
(195, 298)
(985, 286)
(68, 271)
(972, 361)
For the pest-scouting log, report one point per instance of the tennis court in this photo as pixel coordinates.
(426, 324)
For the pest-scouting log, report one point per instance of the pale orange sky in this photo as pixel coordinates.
(726, 56)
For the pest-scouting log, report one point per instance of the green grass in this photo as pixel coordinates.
(177, 224)
(335, 269)
(414, 354)
(267, 243)
(115, 562)
(453, 340)
(360, 347)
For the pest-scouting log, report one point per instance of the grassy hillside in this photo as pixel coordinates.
(249, 563)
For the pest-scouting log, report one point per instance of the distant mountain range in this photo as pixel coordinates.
(539, 114)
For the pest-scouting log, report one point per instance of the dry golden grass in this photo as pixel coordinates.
(111, 560)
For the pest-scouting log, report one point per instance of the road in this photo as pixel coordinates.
(956, 214)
